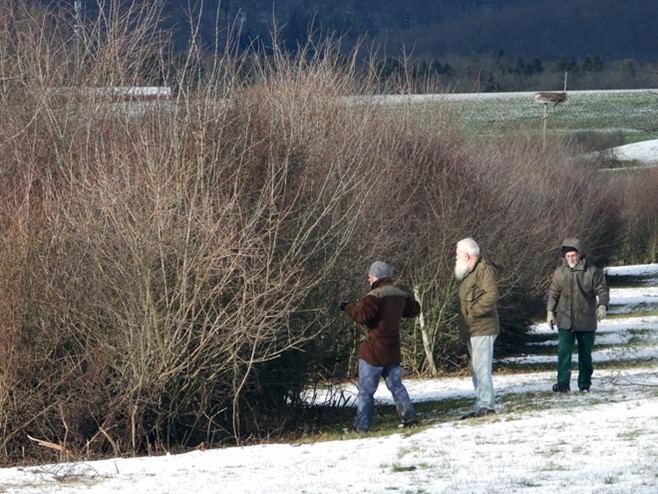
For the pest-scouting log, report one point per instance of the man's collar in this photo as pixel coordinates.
(381, 281)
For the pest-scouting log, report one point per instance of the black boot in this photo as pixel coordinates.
(561, 387)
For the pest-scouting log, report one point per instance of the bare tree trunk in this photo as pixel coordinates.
(427, 341)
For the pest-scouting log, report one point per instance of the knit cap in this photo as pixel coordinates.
(380, 269)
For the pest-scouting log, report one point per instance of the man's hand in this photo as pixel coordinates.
(342, 305)
(601, 312)
(550, 319)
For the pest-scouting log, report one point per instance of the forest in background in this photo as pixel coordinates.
(434, 45)
(548, 29)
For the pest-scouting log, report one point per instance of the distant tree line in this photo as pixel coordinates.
(496, 72)
(500, 72)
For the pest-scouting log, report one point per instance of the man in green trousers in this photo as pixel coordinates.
(577, 298)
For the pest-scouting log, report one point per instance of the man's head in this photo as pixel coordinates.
(467, 254)
(378, 270)
(572, 251)
(572, 257)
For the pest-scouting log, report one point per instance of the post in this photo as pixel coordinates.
(545, 118)
(77, 7)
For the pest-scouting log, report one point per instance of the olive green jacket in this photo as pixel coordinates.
(478, 297)
(574, 295)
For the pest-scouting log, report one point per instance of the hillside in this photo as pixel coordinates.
(549, 29)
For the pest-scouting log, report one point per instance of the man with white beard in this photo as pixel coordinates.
(478, 321)
(577, 298)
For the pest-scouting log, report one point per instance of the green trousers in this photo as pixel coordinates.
(566, 339)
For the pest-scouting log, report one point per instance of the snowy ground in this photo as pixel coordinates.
(645, 152)
(603, 442)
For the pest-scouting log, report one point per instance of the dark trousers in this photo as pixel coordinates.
(566, 340)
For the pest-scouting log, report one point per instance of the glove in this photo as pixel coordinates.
(600, 312)
(342, 305)
(550, 319)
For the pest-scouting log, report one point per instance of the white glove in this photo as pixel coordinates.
(600, 312)
(550, 319)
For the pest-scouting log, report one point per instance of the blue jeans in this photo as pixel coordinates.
(480, 349)
(369, 381)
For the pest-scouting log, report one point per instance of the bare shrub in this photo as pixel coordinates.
(411, 222)
(518, 200)
(182, 260)
(639, 237)
(533, 199)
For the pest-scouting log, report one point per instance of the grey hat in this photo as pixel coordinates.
(380, 269)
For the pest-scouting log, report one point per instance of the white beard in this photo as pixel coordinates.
(461, 270)
(572, 264)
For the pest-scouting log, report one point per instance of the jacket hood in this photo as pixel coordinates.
(573, 243)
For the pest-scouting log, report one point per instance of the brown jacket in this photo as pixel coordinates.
(478, 296)
(380, 312)
(574, 295)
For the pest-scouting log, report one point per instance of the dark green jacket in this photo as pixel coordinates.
(478, 297)
(573, 294)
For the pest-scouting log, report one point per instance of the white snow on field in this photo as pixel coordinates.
(396, 99)
(646, 152)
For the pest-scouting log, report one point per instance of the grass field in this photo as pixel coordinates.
(616, 116)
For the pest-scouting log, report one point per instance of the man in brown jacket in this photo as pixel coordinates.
(478, 321)
(577, 298)
(379, 313)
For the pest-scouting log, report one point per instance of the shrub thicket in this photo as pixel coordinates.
(171, 269)
(639, 234)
